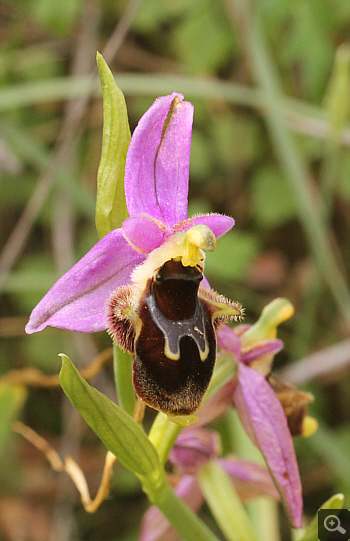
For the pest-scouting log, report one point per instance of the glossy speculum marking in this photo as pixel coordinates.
(170, 329)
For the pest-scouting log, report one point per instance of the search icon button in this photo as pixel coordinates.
(332, 524)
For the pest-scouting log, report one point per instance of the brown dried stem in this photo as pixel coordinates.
(36, 378)
(70, 467)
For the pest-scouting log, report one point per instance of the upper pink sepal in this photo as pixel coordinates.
(157, 164)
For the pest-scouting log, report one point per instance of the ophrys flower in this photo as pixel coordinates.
(142, 281)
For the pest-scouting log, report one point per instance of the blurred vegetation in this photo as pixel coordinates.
(271, 146)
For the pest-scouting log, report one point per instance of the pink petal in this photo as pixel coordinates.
(155, 527)
(144, 233)
(228, 340)
(250, 479)
(217, 404)
(218, 223)
(205, 283)
(77, 300)
(270, 347)
(263, 418)
(194, 448)
(157, 164)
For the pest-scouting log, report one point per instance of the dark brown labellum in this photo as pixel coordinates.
(176, 348)
(170, 327)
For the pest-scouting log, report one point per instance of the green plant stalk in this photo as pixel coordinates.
(163, 435)
(122, 367)
(290, 160)
(262, 512)
(127, 441)
(224, 503)
(181, 517)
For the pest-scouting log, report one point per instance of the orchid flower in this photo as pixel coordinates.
(267, 416)
(193, 449)
(141, 282)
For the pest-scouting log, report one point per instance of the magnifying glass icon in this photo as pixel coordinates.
(332, 524)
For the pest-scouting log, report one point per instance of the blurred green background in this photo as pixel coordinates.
(270, 81)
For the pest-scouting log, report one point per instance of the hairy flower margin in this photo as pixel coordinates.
(156, 191)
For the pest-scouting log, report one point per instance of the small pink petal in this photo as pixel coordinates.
(194, 448)
(270, 347)
(264, 420)
(229, 341)
(144, 233)
(77, 300)
(217, 404)
(250, 479)
(205, 283)
(242, 328)
(218, 223)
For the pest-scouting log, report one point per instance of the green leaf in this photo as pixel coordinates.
(122, 364)
(116, 429)
(110, 205)
(12, 398)
(224, 503)
(311, 532)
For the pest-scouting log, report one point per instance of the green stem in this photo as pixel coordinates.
(122, 365)
(224, 503)
(163, 435)
(182, 518)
